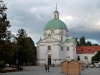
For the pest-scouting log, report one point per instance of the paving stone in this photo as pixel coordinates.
(38, 70)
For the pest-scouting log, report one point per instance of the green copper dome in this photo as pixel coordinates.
(55, 24)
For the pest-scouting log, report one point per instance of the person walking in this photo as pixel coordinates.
(46, 68)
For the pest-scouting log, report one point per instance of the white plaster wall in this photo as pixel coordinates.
(57, 55)
(56, 31)
(57, 34)
(89, 55)
(69, 52)
(57, 15)
(74, 50)
(38, 55)
(44, 52)
(55, 52)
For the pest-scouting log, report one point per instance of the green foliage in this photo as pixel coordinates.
(2, 64)
(88, 43)
(78, 58)
(82, 42)
(97, 56)
(6, 46)
(26, 48)
(4, 25)
(92, 59)
(78, 43)
(95, 45)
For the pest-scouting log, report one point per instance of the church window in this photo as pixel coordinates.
(61, 48)
(67, 48)
(49, 47)
(55, 15)
(61, 38)
(85, 57)
(52, 31)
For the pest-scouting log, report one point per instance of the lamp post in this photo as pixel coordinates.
(17, 60)
(68, 57)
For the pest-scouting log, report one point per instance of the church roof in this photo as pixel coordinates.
(87, 49)
(56, 11)
(69, 40)
(56, 23)
(38, 42)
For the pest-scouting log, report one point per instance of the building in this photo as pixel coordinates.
(87, 52)
(55, 47)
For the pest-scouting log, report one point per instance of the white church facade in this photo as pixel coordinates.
(55, 47)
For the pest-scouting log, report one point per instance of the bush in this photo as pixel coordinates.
(20, 68)
(3, 71)
(2, 64)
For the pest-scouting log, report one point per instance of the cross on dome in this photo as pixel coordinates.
(56, 6)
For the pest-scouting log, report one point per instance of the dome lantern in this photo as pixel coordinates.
(56, 13)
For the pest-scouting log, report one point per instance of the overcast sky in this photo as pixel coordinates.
(82, 17)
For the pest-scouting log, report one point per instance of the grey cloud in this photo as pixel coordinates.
(21, 14)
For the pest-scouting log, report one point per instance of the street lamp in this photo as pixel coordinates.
(17, 60)
(68, 57)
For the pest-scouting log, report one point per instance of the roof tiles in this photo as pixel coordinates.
(87, 49)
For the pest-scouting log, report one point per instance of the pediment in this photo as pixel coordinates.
(49, 39)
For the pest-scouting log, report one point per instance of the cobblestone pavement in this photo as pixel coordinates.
(37, 70)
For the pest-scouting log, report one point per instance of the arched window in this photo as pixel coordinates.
(61, 48)
(49, 47)
(67, 48)
(85, 57)
(61, 38)
(55, 16)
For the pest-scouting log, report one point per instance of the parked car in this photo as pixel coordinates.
(96, 65)
(91, 65)
(99, 64)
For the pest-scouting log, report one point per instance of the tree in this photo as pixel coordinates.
(82, 41)
(78, 43)
(6, 52)
(95, 44)
(88, 43)
(26, 48)
(78, 58)
(32, 50)
(92, 59)
(97, 56)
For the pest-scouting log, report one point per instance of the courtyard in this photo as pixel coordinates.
(39, 70)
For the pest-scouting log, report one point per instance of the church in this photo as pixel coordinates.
(55, 46)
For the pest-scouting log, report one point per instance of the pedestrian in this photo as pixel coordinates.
(46, 68)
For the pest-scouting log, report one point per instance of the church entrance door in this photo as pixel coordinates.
(49, 59)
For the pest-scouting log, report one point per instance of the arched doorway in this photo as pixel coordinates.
(49, 59)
